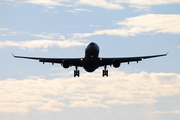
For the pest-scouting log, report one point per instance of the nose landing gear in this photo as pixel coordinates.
(76, 72)
(105, 72)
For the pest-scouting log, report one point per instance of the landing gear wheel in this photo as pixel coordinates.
(105, 73)
(76, 72)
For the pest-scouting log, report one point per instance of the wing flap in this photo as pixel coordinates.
(50, 61)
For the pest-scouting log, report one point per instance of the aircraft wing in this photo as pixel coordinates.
(73, 61)
(109, 61)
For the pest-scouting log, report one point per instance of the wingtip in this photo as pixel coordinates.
(12, 54)
(167, 53)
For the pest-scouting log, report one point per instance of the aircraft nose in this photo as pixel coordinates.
(92, 49)
(92, 44)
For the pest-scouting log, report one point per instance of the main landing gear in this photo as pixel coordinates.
(76, 72)
(105, 72)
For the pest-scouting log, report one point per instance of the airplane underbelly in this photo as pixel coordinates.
(90, 66)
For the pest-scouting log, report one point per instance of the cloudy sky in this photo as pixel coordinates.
(61, 28)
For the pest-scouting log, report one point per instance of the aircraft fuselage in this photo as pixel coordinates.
(91, 59)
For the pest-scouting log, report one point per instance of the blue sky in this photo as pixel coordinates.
(62, 28)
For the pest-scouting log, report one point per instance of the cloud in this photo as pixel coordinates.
(82, 10)
(51, 7)
(23, 107)
(44, 11)
(11, 34)
(4, 29)
(157, 23)
(49, 36)
(56, 12)
(97, 3)
(49, 2)
(77, 10)
(89, 90)
(100, 3)
(41, 44)
(140, 7)
(52, 105)
(143, 24)
(107, 4)
(165, 112)
(140, 101)
(87, 103)
(94, 25)
(147, 2)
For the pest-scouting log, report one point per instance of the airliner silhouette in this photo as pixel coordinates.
(91, 60)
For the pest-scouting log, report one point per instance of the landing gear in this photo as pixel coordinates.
(105, 72)
(76, 72)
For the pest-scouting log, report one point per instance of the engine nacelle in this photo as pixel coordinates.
(116, 63)
(65, 63)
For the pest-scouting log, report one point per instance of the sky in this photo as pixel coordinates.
(147, 90)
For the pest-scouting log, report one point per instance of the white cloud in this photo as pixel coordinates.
(140, 7)
(165, 112)
(23, 107)
(56, 12)
(44, 11)
(51, 7)
(4, 29)
(94, 25)
(41, 44)
(147, 2)
(156, 23)
(107, 4)
(83, 10)
(127, 102)
(52, 105)
(48, 2)
(67, 3)
(143, 24)
(50, 36)
(87, 103)
(77, 10)
(11, 34)
(101, 3)
(89, 90)
(72, 11)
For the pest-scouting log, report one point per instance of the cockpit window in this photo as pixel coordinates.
(92, 43)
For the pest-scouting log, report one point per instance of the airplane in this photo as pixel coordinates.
(91, 60)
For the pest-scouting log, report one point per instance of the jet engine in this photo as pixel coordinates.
(65, 63)
(116, 63)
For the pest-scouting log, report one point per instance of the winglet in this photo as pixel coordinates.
(167, 53)
(12, 55)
